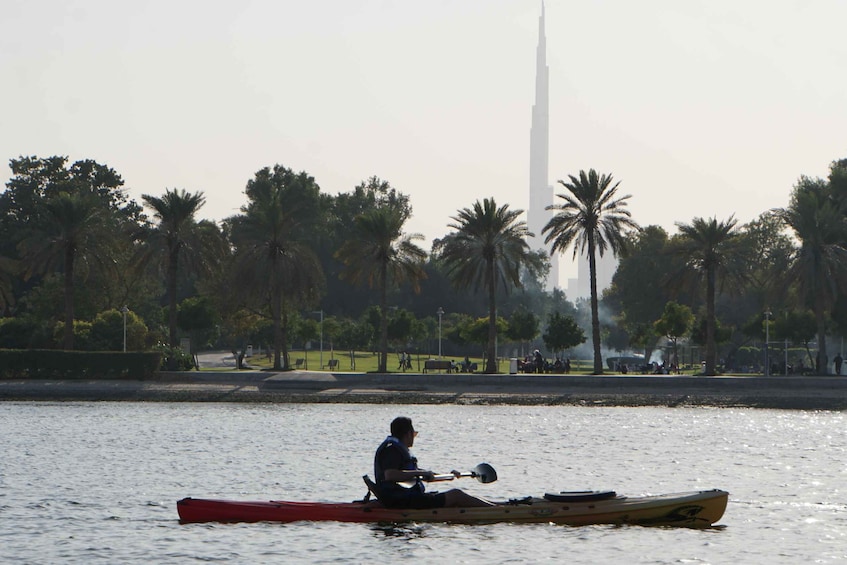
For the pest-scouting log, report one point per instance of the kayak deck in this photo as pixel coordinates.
(698, 509)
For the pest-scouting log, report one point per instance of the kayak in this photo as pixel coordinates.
(698, 509)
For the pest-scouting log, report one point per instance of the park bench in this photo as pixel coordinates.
(298, 363)
(332, 364)
(437, 365)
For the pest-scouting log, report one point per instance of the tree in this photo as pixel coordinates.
(178, 241)
(54, 218)
(23, 217)
(380, 254)
(238, 328)
(8, 270)
(353, 335)
(487, 250)
(199, 317)
(562, 333)
(637, 293)
(594, 220)
(35, 180)
(711, 252)
(274, 264)
(523, 327)
(818, 222)
(72, 225)
(400, 327)
(797, 326)
(676, 322)
(767, 250)
(342, 298)
(107, 331)
(476, 331)
(700, 334)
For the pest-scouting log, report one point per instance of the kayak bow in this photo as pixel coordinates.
(699, 509)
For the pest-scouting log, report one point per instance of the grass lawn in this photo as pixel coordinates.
(367, 361)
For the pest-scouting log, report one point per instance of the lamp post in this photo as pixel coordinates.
(124, 310)
(767, 342)
(321, 312)
(440, 313)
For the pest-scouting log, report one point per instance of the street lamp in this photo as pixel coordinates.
(767, 342)
(321, 312)
(124, 310)
(440, 313)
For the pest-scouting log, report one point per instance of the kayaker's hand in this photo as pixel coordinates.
(456, 473)
(426, 475)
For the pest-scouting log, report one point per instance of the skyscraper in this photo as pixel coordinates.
(540, 192)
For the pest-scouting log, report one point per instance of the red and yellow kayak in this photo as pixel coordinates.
(699, 509)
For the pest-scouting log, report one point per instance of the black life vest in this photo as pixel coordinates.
(410, 463)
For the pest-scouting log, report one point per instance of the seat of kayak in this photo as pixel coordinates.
(372, 488)
(580, 496)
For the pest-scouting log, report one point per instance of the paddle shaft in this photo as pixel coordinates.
(450, 477)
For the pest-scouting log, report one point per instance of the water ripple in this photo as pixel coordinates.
(97, 482)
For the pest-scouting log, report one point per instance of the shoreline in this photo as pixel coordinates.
(790, 393)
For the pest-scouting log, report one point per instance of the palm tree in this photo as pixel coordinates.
(819, 223)
(382, 255)
(488, 249)
(272, 261)
(711, 251)
(178, 242)
(72, 225)
(594, 220)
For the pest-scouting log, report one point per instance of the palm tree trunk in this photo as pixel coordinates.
(283, 329)
(276, 319)
(711, 346)
(822, 364)
(68, 339)
(491, 361)
(383, 320)
(173, 257)
(595, 310)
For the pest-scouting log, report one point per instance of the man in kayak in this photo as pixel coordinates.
(394, 464)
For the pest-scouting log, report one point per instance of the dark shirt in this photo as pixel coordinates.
(392, 454)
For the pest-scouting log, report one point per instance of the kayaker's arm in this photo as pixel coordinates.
(401, 475)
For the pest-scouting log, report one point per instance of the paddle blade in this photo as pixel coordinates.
(484, 473)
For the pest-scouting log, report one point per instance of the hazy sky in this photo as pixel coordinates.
(700, 108)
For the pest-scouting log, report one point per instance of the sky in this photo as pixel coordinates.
(699, 108)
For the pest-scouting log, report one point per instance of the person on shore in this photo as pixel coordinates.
(394, 464)
(466, 365)
(838, 360)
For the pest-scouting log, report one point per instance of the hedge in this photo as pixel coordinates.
(56, 364)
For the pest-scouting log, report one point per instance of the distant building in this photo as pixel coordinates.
(540, 191)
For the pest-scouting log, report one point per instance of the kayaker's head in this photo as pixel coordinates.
(402, 429)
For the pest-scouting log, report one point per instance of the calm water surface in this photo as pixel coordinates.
(98, 482)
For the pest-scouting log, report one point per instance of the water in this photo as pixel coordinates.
(98, 482)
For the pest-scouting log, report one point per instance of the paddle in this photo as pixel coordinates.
(483, 472)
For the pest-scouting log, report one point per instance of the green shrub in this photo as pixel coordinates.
(175, 359)
(56, 364)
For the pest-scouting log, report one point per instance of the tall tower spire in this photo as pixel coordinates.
(540, 191)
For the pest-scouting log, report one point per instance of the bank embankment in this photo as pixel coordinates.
(804, 393)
